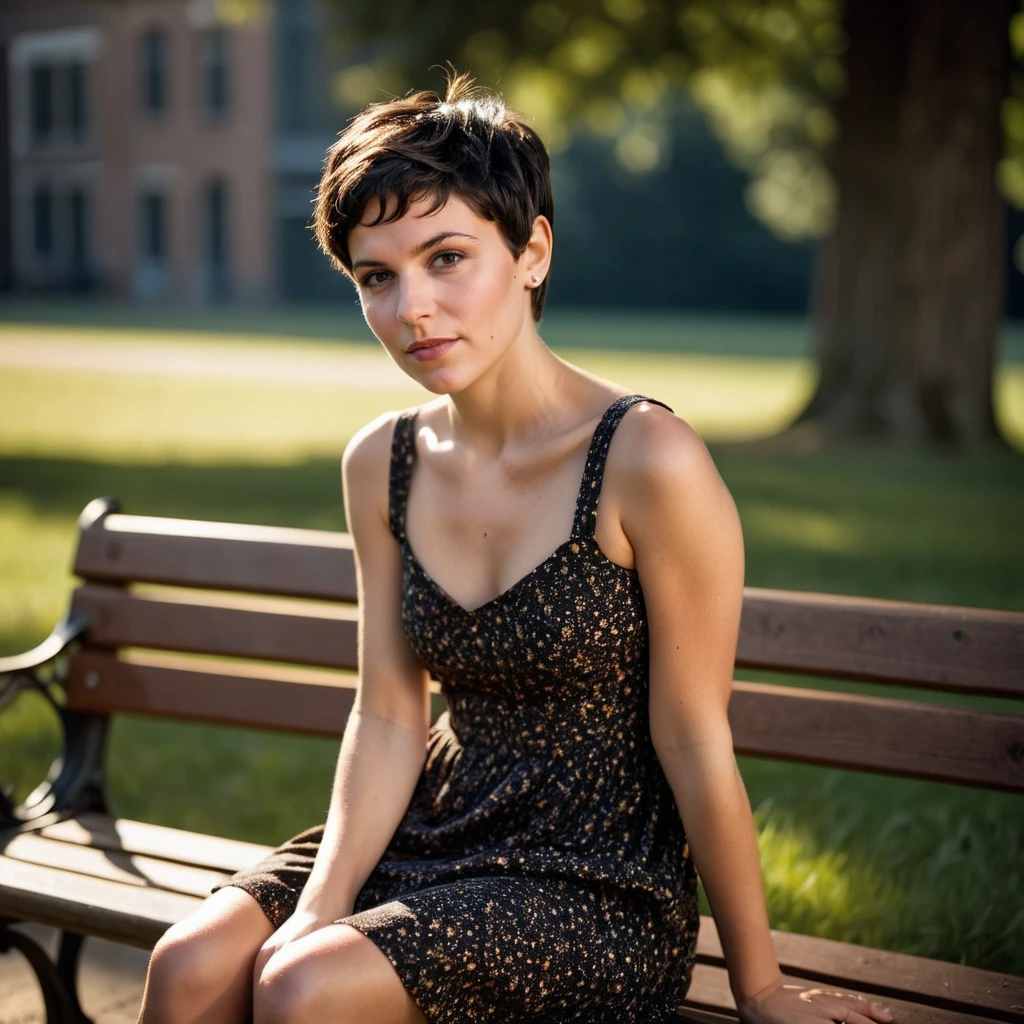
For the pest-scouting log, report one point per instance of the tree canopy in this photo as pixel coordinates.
(767, 74)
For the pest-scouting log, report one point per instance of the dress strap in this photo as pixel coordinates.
(593, 471)
(403, 458)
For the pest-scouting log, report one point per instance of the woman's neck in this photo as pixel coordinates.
(524, 394)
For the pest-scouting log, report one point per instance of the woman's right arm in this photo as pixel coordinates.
(384, 745)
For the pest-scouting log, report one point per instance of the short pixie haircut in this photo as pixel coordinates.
(468, 145)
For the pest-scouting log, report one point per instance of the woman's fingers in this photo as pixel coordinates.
(853, 1017)
(879, 1012)
(846, 1007)
(852, 1009)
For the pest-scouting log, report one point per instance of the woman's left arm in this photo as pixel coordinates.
(684, 529)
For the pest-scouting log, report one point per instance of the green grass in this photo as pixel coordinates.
(921, 867)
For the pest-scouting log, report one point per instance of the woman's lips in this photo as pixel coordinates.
(432, 348)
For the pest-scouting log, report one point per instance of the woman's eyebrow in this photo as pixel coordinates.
(419, 249)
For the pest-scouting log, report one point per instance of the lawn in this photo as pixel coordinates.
(251, 428)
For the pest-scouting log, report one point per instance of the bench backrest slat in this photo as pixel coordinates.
(118, 619)
(285, 700)
(948, 744)
(920, 741)
(957, 649)
(218, 556)
(968, 650)
(974, 651)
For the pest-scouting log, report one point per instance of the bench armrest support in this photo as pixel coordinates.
(75, 779)
(21, 671)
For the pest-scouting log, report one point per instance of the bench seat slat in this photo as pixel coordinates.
(970, 650)
(899, 975)
(710, 991)
(923, 741)
(115, 865)
(948, 985)
(128, 881)
(118, 619)
(96, 904)
(105, 832)
(218, 556)
(90, 906)
(281, 701)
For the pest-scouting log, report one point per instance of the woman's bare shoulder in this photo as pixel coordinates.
(368, 453)
(366, 466)
(667, 482)
(653, 446)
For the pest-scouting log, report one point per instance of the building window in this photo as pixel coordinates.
(216, 258)
(41, 102)
(153, 227)
(153, 68)
(215, 76)
(81, 256)
(42, 221)
(58, 102)
(49, 76)
(150, 279)
(78, 100)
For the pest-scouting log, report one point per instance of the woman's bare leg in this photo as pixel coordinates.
(335, 974)
(201, 969)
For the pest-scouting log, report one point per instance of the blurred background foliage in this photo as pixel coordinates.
(857, 124)
(766, 75)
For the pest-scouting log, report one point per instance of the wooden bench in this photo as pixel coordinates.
(281, 603)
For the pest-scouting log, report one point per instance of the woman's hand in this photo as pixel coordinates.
(792, 1003)
(298, 926)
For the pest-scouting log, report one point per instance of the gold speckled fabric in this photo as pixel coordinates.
(541, 872)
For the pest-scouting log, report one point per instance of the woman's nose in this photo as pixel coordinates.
(415, 300)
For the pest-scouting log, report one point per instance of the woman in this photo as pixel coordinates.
(524, 859)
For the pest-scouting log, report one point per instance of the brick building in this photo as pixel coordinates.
(152, 150)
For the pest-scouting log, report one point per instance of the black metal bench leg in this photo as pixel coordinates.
(68, 954)
(59, 996)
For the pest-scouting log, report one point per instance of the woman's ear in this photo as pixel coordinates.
(536, 258)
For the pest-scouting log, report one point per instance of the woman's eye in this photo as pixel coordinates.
(449, 258)
(374, 278)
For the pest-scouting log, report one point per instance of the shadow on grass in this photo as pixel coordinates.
(306, 494)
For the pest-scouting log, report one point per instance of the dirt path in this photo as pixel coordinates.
(306, 366)
(112, 979)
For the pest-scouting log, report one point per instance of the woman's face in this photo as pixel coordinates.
(441, 291)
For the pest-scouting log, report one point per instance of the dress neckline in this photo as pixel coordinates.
(583, 517)
(508, 591)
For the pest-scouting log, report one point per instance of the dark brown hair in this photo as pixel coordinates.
(419, 146)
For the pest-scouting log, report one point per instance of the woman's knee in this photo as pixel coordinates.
(283, 991)
(184, 963)
(297, 982)
(201, 967)
(336, 975)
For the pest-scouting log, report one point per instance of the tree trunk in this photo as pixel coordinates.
(909, 288)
